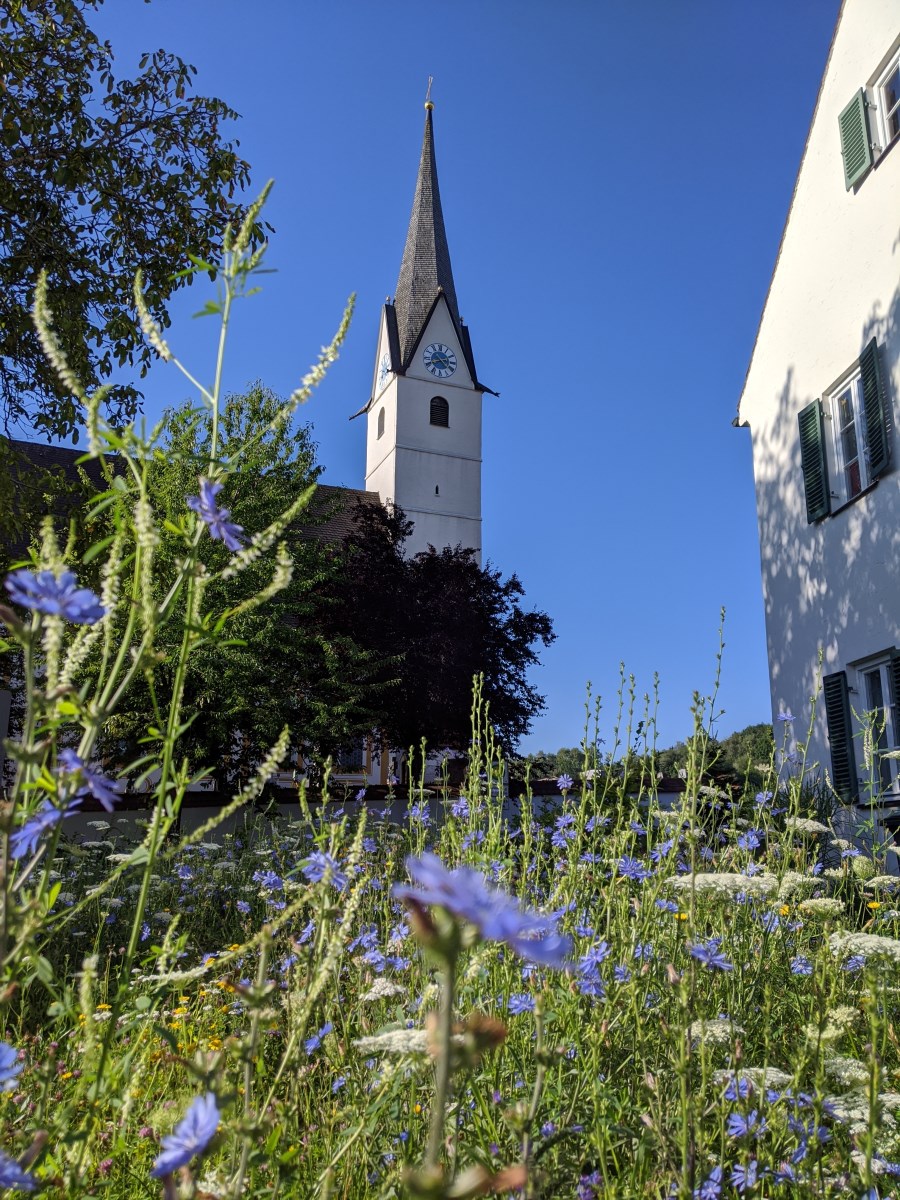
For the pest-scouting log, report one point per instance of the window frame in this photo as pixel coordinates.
(379, 423)
(445, 412)
(838, 462)
(822, 459)
(877, 88)
(884, 665)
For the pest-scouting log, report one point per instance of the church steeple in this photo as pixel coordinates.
(423, 416)
(425, 269)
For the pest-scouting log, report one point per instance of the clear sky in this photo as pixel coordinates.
(615, 175)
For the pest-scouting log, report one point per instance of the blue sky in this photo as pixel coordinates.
(614, 177)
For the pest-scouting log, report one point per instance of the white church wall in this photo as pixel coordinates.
(832, 586)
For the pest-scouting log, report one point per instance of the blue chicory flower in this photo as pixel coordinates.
(460, 808)
(13, 1177)
(751, 840)
(710, 955)
(520, 1002)
(464, 893)
(632, 868)
(787, 716)
(55, 596)
(711, 1187)
(24, 840)
(565, 783)
(190, 1137)
(214, 517)
(801, 965)
(77, 779)
(10, 1067)
(751, 1125)
(314, 1041)
(322, 865)
(744, 1177)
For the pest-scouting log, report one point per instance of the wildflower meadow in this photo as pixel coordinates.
(598, 995)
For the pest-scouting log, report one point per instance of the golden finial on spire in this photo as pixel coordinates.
(428, 103)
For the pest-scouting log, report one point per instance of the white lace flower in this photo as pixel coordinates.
(725, 883)
(867, 944)
(714, 1032)
(847, 1071)
(394, 1041)
(793, 882)
(822, 906)
(382, 988)
(805, 825)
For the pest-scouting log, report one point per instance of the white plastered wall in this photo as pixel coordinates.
(830, 588)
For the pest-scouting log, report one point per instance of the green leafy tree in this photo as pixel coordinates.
(99, 176)
(282, 663)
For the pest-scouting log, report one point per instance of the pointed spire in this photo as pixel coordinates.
(425, 269)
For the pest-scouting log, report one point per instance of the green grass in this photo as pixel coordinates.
(614, 1084)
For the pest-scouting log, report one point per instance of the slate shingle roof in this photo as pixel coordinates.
(425, 268)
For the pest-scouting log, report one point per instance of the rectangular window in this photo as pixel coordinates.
(870, 122)
(846, 437)
(849, 449)
(887, 102)
(351, 760)
(877, 695)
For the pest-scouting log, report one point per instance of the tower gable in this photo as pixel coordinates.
(440, 327)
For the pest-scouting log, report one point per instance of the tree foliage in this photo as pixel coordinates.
(99, 176)
(281, 663)
(442, 620)
(743, 755)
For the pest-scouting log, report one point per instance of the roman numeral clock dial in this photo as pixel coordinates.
(439, 360)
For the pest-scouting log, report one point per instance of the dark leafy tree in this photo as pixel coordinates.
(99, 175)
(442, 620)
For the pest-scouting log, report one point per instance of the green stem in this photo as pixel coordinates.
(444, 1064)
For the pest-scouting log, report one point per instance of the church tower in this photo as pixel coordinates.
(423, 437)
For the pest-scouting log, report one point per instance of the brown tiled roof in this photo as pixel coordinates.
(32, 458)
(333, 511)
(56, 458)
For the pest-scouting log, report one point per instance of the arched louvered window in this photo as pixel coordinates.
(440, 412)
(380, 422)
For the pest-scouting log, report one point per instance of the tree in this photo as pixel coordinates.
(98, 177)
(441, 619)
(285, 662)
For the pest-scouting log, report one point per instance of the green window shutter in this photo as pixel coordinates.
(840, 736)
(878, 432)
(856, 149)
(814, 461)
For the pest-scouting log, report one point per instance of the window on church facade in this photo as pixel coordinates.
(440, 412)
(380, 432)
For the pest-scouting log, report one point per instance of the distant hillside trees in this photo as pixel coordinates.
(743, 755)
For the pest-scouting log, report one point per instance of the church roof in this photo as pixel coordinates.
(425, 270)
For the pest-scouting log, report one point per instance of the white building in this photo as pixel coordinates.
(821, 401)
(423, 435)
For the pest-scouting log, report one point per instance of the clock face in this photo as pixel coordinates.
(384, 369)
(439, 360)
